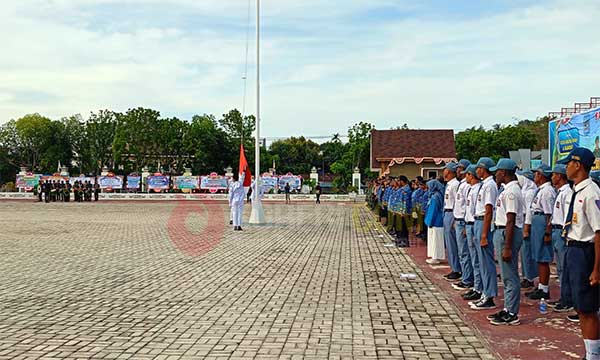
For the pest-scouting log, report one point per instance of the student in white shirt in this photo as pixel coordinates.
(452, 185)
(529, 267)
(508, 237)
(581, 273)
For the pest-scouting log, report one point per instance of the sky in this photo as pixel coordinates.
(325, 65)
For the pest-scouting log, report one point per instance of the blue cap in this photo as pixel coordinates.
(545, 170)
(486, 163)
(595, 175)
(560, 169)
(451, 166)
(472, 169)
(583, 155)
(464, 163)
(526, 173)
(504, 164)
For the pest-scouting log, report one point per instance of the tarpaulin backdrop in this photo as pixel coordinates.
(578, 130)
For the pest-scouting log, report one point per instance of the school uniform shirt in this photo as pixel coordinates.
(586, 212)
(394, 200)
(471, 201)
(488, 194)
(450, 194)
(560, 210)
(543, 202)
(510, 201)
(238, 194)
(460, 202)
(529, 191)
(387, 194)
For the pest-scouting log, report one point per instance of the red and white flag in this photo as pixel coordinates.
(245, 172)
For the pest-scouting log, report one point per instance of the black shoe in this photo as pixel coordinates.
(472, 295)
(461, 286)
(507, 319)
(539, 294)
(455, 275)
(526, 284)
(560, 308)
(240, 228)
(230, 222)
(484, 304)
(497, 315)
(553, 303)
(573, 318)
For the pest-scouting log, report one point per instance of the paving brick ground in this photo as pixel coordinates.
(136, 281)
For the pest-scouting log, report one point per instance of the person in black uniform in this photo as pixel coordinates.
(40, 189)
(318, 193)
(96, 191)
(46, 190)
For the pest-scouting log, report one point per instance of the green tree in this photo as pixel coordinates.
(135, 135)
(296, 155)
(35, 136)
(99, 138)
(209, 146)
(11, 154)
(356, 155)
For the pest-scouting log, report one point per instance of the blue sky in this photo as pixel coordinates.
(326, 64)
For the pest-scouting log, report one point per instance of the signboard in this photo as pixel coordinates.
(110, 182)
(268, 183)
(577, 130)
(133, 182)
(28, 182)
(53, 178)
(214, 183)
(82, 179)
(294, 181)
(158, 182)
(185, 182)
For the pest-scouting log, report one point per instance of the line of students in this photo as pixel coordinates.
(496, 213)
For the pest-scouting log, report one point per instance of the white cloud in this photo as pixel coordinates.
(323, 69)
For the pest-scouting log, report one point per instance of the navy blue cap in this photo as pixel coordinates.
(583, 155)
(472, 169)
(544, 169)
(526, 173)
(560, 169)
(464, 163)
(504, 164)
(486, 163)
(451, 166)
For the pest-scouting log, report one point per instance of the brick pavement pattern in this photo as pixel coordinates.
(106, 281)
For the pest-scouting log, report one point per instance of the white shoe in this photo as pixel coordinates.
(432, 261)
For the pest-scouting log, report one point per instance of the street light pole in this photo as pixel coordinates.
(257, 216)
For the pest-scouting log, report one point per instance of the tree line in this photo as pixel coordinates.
(127, 142)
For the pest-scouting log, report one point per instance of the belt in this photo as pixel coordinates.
(448, 210)
(457, 219)
(478, 217)
(579, 244)
(500, 227)
(557, 226)
(539, 213)
(470, 222)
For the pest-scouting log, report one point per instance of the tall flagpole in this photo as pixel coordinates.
(257, 216)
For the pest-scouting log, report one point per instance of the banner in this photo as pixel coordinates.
(158, 182)
(28, 182)
(133, 182)
(185, 182)
(53, 178)
(82, 179)
(110, 182)
(214, 183)
(578, 130)
(294, 181)
(268, 183)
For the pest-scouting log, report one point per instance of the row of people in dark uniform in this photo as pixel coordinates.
(60, 191)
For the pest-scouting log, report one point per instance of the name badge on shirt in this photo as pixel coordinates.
(498, 203)
(575, 221)
(447, 196)
(558, 204)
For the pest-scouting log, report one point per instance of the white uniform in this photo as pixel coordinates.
(450, 194)
(586, 213)
(528, 189)
(253, 187)
(560, 205)
(236, 201)
(487, 196)
(471, 201)
(544, 200)
(510, 201)
(460, 202)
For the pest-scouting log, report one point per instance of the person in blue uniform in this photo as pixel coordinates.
(581, 272)
(508, 237)
(541, 230)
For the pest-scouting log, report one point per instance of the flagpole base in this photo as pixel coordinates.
(257, 215)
